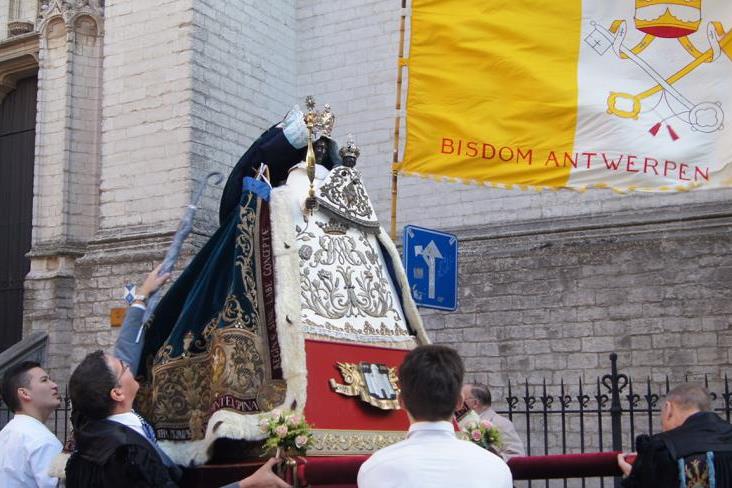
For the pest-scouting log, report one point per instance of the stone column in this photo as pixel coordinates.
(66, 176)
(145, 169)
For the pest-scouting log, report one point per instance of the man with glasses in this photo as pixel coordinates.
(114, 446)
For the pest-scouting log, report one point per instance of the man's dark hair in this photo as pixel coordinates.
(430, 379)
(691, 396)
(16, 377)
(481, 393)
(89, 388)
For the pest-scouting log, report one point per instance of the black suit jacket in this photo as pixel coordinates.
(109, 454)
(658, 455)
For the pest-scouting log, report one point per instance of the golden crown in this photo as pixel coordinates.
(322, 122)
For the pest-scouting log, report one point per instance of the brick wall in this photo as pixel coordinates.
(548, 302)
(146, 136)
(243, 75)
(100, 277)
(554, 302)
(188, 86)
(65, 176)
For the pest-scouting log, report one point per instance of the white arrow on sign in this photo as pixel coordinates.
(430, 253)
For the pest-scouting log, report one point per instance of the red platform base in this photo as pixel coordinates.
(342, 471)
(346, 425)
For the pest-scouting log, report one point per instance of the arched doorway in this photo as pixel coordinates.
(17, 147)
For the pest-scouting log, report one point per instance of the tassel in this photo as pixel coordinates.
(673, 133)
(654, 130)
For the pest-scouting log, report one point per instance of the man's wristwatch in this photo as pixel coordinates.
(140, 299)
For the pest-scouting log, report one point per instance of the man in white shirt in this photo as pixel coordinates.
(478, 398)
(432, 456)
(27, 447)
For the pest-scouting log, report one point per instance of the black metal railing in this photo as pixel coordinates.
(556, 419)
(605, 416)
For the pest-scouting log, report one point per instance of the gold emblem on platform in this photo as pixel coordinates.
(328, 442)
(375, 384)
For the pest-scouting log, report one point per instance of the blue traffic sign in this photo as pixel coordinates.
(431, 263)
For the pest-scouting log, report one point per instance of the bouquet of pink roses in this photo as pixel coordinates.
(286, 431)
(483, 433)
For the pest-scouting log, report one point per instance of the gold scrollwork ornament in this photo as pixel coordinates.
(375, 384)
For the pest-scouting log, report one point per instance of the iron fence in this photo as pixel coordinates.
(602, 416)
(563, 419)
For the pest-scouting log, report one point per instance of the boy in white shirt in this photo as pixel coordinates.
(27, 447)
(430, 379)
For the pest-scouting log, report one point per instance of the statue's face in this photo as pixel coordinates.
(668, 18)
(320, 147)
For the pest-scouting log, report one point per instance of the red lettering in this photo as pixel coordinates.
(510, 154)
(611, 163)
(472, 149)
(568, 158)
(589, 157)
(647, 164)
(666, 166)
(552, 158)
(524, 156)
(447, 144)
(682, 172)
(460, 146)
(629, 162)
(493, 151)
(703, 174)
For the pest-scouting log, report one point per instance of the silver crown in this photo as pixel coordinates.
(350, 152)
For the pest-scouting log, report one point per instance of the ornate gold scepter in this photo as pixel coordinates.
(311, 203)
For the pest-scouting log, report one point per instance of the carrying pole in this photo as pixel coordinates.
(397, 122)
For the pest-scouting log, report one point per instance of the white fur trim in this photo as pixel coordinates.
(408, 305)
(57, 468)
(288, 309)
(223, 423)
(188, 453)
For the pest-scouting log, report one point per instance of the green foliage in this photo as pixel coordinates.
(287, 431)
(484, 434)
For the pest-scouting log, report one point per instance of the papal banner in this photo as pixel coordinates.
(625, 94)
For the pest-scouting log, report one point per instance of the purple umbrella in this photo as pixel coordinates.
(171, 257)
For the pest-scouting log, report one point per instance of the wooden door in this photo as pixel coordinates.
(17, 147)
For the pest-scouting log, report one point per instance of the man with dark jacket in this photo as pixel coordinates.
(694, 449)
(114, 445)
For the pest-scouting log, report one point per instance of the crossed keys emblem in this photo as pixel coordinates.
(375, 384)
(665, 20)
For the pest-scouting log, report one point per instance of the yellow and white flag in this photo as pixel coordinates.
(627, 94)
